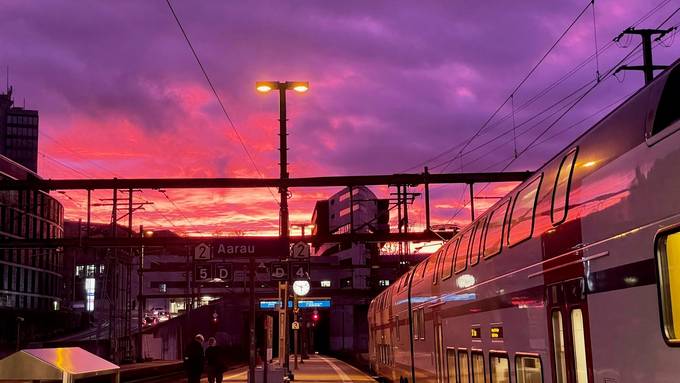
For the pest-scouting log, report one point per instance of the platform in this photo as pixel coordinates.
(316, 369)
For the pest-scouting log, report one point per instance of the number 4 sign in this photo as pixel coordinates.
(299, 270)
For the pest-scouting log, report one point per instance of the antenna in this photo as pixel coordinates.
(8, 78)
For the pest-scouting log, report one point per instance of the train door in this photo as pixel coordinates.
(439, 356)
(568, 323)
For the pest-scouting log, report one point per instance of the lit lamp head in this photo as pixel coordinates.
(301, 287)
(265, 86)
(298, 86)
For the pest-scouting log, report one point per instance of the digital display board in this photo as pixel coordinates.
(476, 333)
(496, 332)
(272, 304)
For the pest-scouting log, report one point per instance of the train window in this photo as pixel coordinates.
(451, 365)
(560, 199)
(450, 252)
(579, 346)
(668, 111)
(522, 216)
(463, 367)
(669, 285)
(423, 268)
(437, 265)
(499, 368)
(558, 344)
(478, 373)
(405, 280)
(460, 263)
(494, 230)
(528, 369)
(397, 333)
(416, 326)
(476, 243)
(421, 319)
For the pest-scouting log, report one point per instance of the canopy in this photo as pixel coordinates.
(64, 363)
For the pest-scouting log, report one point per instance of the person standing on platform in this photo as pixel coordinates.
(213, 357)
(193, 359)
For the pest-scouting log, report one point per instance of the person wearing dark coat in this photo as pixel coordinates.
(213, 358)
(193, 359)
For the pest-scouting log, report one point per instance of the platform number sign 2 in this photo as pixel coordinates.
(202, 252)
(300, 250)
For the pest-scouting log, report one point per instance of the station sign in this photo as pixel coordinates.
(295, 325)
(300, 250)
(299, 270)
(241, 247)
(278, 271)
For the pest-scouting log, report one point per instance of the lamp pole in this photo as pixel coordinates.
(282, 87)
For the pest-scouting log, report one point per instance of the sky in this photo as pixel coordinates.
(394, 86)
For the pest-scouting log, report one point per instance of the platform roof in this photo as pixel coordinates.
(54, 364)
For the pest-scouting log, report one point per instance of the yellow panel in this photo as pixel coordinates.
(673, 286)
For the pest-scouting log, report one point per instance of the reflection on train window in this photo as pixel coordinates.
(499, 368)
(494, 231)
(421, 329)
(528, 369)
(669, 285)
(477, 241)
(560, 200)
(450, 256)
(478, 375)
(422, 270)
(668, 111)
(416, 325)
(558, 344)
(438, 264)
(463, 367)
(451, 365)
(397, 333)
(462, 252)
(579, 346)
(522, 217)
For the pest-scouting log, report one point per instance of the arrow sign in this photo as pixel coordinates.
(279, 271)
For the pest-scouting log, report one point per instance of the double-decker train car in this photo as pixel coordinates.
(572, 277)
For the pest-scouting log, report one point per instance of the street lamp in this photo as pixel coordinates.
(282, 87)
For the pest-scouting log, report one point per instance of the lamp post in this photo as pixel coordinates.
(282, 87)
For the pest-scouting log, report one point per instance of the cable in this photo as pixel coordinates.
(219, 99)
(597, 58)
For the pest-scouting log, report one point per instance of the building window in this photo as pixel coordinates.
(162, 287)
(384, 282)
(326, 283)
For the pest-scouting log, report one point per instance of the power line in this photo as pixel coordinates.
(219, 99)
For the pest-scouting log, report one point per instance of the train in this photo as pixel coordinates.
(572, 277)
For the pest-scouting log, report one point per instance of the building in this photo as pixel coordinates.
(18, 132)
(31, 280)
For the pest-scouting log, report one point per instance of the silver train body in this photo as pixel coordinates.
(572, 277)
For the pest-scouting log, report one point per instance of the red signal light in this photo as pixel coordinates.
(315, 316)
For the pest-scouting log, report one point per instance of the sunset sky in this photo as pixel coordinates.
(394, 86)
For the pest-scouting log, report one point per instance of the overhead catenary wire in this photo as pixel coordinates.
(219, 99)
(545, 90)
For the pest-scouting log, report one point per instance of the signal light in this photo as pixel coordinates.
(315, 316)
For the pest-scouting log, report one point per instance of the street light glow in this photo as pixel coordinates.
(264, 88)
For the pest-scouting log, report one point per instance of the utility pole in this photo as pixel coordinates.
(647, 66)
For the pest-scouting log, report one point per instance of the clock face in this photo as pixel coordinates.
(301, 288)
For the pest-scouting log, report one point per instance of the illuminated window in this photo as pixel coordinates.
(421, 328)
(558, 344)
(326, 283)
(162, 287)
(579, 345)
(499, 368)
(460, 262)
(463, 367)
(384, 282)
(478, 367)
(560, 199)
(494, 232)
(522, 221)
(528, 369)
(451, 362)
(669, 285)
